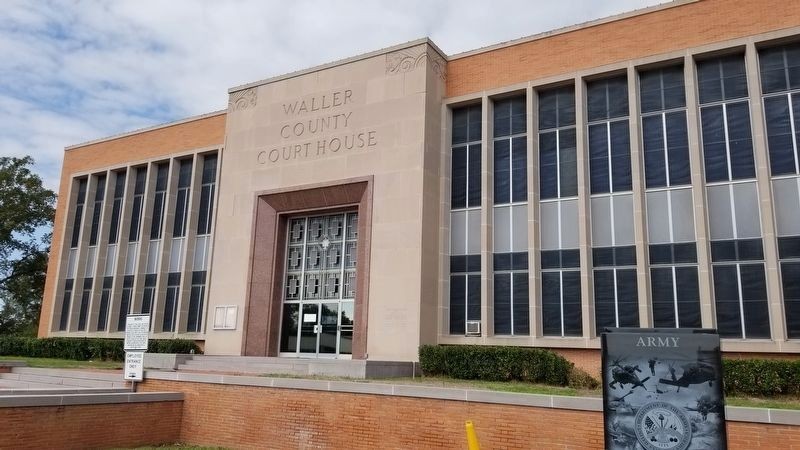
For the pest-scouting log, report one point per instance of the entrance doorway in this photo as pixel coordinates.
(319, 286)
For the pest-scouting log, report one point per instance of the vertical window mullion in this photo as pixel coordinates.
(675, 297)
(616, 298)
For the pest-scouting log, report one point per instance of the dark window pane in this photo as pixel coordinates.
(521, 307)
(571, 295)
(749, 249)
(502, 172)
(708, 80)
(661, 288)
(551, 303)
(604, 307)
(688, 297)
(617, 97)
(734, 79)
(501, 261)
(773, 69)
(625, 256)
(620, 156)
(660, 253)
(124, 308)
(570, 258)
(714, 148)
(790, 278)
(473, 263)
(474, 125)
(102, 314)
(519, 165)
(569, 163)
(789, 247)
(726, 296)
(519, 261)
(741, 142)
(502, 118)
(548, 166)
(723, 251)
(474, 176)
(458, 304)
(291, 319)
(458, 190)
(779, 135)
(598, 159)
(654, 161)
(459, 135)
(84, 309)
(685, 252)
(627, 298)
(473, 297)
(66, 302)
(603, 256)
(551, 259)
(548, 106)
(650, 91)
(678, 144)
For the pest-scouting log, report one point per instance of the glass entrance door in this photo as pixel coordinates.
(319, 286)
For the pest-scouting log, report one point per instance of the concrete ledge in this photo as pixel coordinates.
(165, 361)
(732, 413)
(34, 391)
(88, 399)
(13, 363)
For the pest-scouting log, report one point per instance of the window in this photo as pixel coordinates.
(116, 208)
(737, 261)
(558, 210)
(97, 209)
(65, 304)
(149, 296)
(182, 198)
(465, 218)
(86, 298)
(670, 213)
(105, 298)
(780, 84)
(171, 301)
(196, 296)
(615, 287)
(158, 201)
(725, 119)
(138, 199)
(126, 305)
(609, 137)
(207, 194)
(510, 218)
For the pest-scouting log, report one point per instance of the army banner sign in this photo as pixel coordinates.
(662, 389)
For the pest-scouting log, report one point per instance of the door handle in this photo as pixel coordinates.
(317, 329)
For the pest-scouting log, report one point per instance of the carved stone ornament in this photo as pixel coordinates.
(409, 59)
(243, 99)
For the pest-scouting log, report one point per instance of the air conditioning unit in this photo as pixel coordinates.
(473, 328)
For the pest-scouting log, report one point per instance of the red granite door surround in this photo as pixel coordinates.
(262, 315)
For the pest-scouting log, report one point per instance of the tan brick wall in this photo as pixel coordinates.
(672, 29)
(90, 426)
(253, 417)
(204, 132)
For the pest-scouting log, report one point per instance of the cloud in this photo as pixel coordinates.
(74, 71)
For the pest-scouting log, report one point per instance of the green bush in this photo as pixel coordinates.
(761, 377)
(84, 349)
(479, 362)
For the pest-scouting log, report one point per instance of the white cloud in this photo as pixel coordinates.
(75, 71)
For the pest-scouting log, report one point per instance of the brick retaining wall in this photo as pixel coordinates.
(243, 416)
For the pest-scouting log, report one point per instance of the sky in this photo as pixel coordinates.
(74, 71)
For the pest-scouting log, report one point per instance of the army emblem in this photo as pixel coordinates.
(662, 426)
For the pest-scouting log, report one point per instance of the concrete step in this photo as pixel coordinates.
(66, 377)
(56, 390)
(246, 369)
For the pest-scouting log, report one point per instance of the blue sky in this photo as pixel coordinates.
(73, 71)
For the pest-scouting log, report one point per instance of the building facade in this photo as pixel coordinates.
(637, 171)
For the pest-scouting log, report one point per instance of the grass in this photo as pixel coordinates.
(54, 363)
(786, 402)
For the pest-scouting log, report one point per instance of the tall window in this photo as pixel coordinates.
(202, 244)
(510, 259)
(154, 248)
(737, 254)
(91, 252)
(780, 84)
(558, 194)
(465, 219)
(134, 229)
(125, 306)
(171, 302)
(613, 251)
(77, 223)
(670, 219)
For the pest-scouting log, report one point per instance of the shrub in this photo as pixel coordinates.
(83, 349)
(479, 362)
(761, 377)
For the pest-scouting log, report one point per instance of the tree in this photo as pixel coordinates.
(26, 221)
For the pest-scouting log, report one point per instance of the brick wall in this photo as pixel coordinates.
(90, 426)
(672, 29)
(200, 133)
(256, 417)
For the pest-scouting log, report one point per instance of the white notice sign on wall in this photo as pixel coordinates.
(137, 331)
(134, 366)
